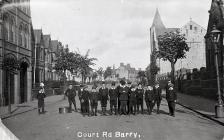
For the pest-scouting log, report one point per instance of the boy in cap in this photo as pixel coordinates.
(123, 92)
(40, 97)
(139, 96)
(85, 101)
(103, 91)
(94, 100)
(113, 98)
(132, 100)
(70, 93)
(149, 97)
(157, 96)
(171, 98)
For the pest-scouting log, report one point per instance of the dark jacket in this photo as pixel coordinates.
(113, 94)
(70, 93)
(94, 96)
(123, 92)
(41, 94)
(149, 95)
(85, 95)
(103, 92)
(132, 95)
(157, 93)
(139, 93)
(171, 95)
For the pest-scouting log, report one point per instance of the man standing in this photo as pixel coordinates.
(171, 98)
(103, 91)
(157, 96)
(40, 97)
(139, 96)
(85, 101)
(132, 101)
(149, 97)
(113, 98)
(70, 93)
(94, 100)
(123, 92)
(80, 91)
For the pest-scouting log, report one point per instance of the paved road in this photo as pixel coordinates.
(73, 126)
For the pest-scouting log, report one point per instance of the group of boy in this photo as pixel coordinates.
(125, 98)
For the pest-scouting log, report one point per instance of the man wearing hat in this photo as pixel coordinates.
(171, 98)
(70, 93)
(103, 91)
(85, 98)
(139, 96)
(40, 97)
(94, 100)
(80, 91)
(157, 96)
(149, 97)
(123, 97)
(113, 98)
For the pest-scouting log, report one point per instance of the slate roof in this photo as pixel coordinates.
(37, 34)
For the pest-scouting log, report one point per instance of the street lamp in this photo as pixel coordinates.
(219, 112)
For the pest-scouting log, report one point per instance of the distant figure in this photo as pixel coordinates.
(149, 98)
(40, 97)
(171, 98)
(157, 96)
(139, 96)
(70, 93)
(94, 100)
(113, 98)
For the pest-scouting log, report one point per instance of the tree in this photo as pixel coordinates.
(172, 46)
(142, 76)
(108, 72)
(100, 72)
(85, 64)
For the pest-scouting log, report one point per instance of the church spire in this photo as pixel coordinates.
(157, 22)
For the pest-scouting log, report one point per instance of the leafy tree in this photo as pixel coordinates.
(172, 46)
(85, 63)
(100, 72)
(142, 76)
(108, 72)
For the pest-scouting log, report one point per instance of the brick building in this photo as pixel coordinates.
(15, 52)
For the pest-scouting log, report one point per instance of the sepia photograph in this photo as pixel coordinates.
(111, 70)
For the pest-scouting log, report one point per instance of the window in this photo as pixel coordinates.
(20, 36)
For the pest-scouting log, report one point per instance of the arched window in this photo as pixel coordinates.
(6, 27)
(12, 30)
(21, 35)
(26, 36)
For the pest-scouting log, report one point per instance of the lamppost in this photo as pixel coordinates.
(219, 112)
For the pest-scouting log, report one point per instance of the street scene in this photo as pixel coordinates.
(116, 70)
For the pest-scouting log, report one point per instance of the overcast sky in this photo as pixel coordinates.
(114, 30)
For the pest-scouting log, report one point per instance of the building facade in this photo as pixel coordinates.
(216, 18)
(38, 57)
(194, 35)
(48, 58)
(15, 53)
(126, 72)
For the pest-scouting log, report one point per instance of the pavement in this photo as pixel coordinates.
(200, 105)
(18, 109)
(73, 126)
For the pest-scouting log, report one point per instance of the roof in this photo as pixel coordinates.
(37, 34)
(157, 21)
(55, 45)
(47, 39)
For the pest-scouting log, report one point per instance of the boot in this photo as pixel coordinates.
(104, 112)
(115, 110)
(111, 111)
(39, 111)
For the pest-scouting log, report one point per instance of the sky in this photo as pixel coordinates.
(114, 30)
